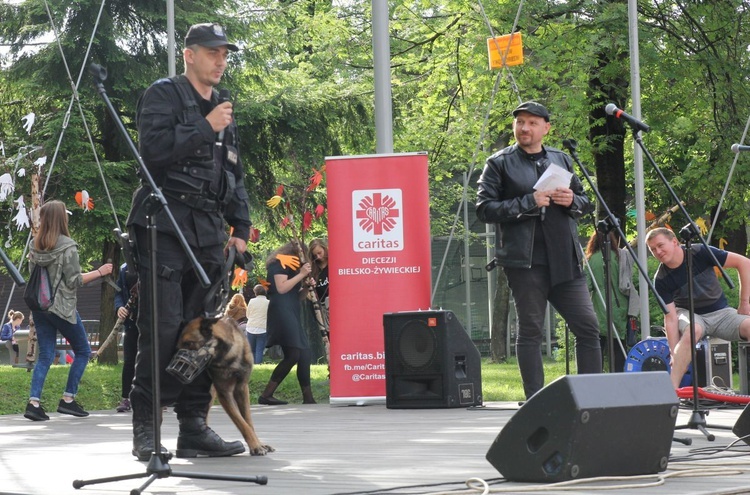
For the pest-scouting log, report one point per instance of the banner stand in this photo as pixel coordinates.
(379, 260)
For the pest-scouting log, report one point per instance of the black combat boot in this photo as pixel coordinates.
(196, 438)
(143, 432)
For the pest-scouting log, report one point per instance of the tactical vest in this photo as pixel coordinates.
(205, 180)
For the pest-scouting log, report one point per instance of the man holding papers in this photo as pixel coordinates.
(530, 193)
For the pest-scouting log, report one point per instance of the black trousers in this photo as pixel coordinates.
(129, 351)
(180, 299)
(531, 290)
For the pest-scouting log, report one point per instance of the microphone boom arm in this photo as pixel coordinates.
(571, 145)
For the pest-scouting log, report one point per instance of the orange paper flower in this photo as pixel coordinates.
(316, 178)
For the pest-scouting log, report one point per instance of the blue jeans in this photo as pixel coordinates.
(47, 326)
(257, 345)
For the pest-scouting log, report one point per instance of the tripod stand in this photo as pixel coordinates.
(697, 419)
(158, 465)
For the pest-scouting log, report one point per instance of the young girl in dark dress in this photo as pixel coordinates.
(287, 276)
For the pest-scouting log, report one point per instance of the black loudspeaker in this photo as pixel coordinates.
(742, 426)
(430, 362)
(582, 426)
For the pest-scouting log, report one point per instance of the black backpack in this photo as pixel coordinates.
(39, 294)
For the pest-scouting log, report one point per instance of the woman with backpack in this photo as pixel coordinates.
(53, 249)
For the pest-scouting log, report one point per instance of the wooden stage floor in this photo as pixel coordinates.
(323, 449)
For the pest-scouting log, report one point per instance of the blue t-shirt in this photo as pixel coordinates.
(708, 296)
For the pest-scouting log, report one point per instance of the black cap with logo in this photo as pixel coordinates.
(209, 35)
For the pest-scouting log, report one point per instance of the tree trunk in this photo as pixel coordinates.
(607, 135)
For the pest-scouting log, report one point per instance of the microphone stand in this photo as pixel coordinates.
(158, 466)
(604, 227)
(611, 223)
(697, 419)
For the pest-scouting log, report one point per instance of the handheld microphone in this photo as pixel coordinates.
(223, 97)
(611, 109)
(737, 148)
(541, 167)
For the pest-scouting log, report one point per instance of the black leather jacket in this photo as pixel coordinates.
(505, 197)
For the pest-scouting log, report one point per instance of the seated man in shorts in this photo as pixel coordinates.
(713, 316)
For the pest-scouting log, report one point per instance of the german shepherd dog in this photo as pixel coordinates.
(230, 368)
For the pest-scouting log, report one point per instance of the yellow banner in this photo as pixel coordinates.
(496, 48)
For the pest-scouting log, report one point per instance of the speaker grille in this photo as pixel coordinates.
(417, 345)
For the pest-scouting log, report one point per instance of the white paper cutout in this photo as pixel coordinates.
(22, 218)
(6, 186)
(28, 121)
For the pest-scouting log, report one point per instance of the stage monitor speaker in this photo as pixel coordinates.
(742, 426)
(430, 362)
(583, 426)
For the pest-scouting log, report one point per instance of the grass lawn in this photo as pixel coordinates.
(100, 387)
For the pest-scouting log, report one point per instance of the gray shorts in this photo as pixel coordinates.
(724, 323)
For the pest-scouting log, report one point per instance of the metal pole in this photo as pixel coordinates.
(467, 259)
(170, 38)
(381, 50)
(635, 84)
(491, 281)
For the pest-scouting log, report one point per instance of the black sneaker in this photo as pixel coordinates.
(72, 408)
(35, 413)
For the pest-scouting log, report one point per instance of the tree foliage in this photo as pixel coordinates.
(303, 89)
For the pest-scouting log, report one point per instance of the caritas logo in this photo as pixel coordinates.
(377, 220)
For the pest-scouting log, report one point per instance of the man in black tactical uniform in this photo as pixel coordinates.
(188, 141)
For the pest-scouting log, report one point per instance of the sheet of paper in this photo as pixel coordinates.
(555, 176)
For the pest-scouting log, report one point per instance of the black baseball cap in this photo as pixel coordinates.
(533, 108)
(209, 35)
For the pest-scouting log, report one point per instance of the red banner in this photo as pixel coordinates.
(379, 262)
